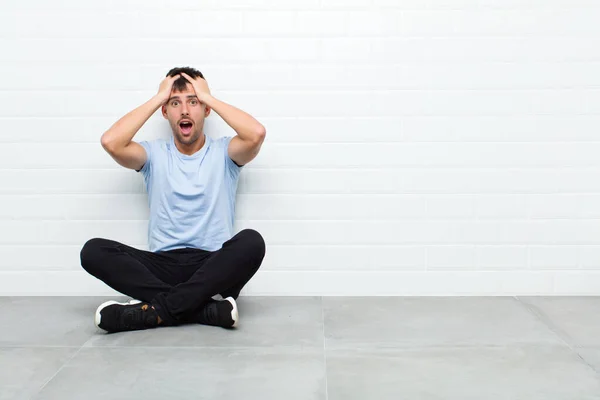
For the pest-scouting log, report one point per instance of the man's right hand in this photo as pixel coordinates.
(118, 138)
(164, 90)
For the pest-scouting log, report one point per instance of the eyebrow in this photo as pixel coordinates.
(177, 97)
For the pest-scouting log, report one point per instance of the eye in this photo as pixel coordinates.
(194, 102)
(174, 103)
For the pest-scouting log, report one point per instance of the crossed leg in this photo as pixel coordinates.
(177, 292)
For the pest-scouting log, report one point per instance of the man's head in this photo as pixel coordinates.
(183, 110)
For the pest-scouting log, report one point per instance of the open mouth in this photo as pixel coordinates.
(186, 127)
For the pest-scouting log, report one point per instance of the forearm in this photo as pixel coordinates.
(246, 126)
(122, 132)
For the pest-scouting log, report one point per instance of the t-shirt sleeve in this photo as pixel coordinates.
(148, 147)
(232, 167)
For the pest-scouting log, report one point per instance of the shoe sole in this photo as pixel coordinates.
(234, 313)
(98, 317)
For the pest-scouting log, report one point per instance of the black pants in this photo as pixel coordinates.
(178, 283)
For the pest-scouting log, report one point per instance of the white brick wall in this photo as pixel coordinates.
(430, 147)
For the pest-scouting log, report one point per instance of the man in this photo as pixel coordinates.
(196, 267)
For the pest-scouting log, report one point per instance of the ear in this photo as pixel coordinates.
(164, 111)
(207, 111)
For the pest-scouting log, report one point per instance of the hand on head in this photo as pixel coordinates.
(199, 84)
(166, 86)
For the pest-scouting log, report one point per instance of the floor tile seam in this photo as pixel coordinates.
(521, 345)
(547, 321)
(37, 346)
(579, 348)
(61, 368)
(562, 335)
(317, 348)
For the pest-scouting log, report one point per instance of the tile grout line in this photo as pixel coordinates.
(544, 319)
(158, 347)
(324, 350)
(61, 367)
(35, 346)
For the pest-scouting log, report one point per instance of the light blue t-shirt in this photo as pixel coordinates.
(191, 197)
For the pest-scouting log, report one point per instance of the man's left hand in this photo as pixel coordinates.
(200, 87)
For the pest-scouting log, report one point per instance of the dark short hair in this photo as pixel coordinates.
(180, 84)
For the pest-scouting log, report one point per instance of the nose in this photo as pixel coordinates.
(184, 109)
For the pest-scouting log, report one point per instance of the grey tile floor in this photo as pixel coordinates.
(311, 348)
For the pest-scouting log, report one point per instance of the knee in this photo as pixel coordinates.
(91, 255)
(254, 243)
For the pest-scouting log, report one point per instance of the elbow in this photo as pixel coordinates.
(253, 136)
(105, 142)
(260, 134)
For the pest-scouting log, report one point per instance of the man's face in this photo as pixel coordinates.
(186, 115)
